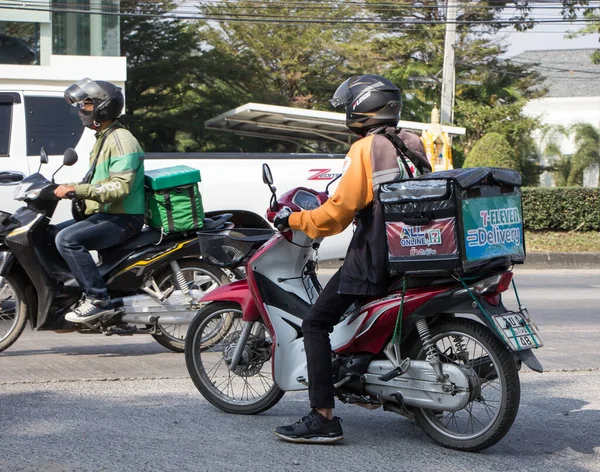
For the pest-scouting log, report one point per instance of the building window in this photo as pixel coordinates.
(51, 123)
(86, 34)
(19, 43)
(5, 125)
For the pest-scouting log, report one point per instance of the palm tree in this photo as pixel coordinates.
(568, 169)
(587, 150)
(551, 147)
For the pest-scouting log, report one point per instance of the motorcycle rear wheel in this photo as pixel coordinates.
(13, 311)
(486, 419)
(248, 390)
(200, 276)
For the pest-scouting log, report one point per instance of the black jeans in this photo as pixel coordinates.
(74, 240)
(317, 326)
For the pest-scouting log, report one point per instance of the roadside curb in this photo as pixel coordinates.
(562, 260)
(535, 260)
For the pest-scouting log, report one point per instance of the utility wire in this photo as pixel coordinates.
(270, 19)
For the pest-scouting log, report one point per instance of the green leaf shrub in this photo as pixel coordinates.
(561, 209)
(492, 150)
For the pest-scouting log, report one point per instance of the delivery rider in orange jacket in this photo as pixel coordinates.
(385, 153)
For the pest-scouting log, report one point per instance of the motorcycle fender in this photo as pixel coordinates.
(525, 356)
(9, 264)
(528, 358)
(236, 292)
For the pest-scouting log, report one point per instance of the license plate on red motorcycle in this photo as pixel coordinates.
(518, 331)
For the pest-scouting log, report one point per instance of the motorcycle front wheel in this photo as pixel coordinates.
(249, 388)
(490, 414)
(13, 310)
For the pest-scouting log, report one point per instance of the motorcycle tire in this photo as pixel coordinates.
(506, 388)
(18, 320)
(198, 358)
(167, 337)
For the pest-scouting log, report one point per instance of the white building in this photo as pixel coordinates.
(42, 51)
(573, 84)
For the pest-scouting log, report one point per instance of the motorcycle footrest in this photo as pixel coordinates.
(398, 371)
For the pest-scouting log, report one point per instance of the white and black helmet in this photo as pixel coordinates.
(107, 98)
(370, 101)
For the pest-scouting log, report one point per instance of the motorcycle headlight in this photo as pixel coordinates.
(23, 192)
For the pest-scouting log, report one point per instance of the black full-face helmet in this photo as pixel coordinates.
(370, 100)
(107, 99)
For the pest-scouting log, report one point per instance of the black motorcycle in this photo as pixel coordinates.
(155, 280)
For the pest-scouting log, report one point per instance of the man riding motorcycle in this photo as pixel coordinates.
(373, 105)
(112, 192)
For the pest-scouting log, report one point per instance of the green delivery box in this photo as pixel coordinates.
(173, 201)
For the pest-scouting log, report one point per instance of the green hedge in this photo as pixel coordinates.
(561, 209)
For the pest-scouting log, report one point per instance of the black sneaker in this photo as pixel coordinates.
(89, 309)
(313, 428)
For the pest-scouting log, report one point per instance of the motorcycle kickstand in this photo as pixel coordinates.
(400, 408)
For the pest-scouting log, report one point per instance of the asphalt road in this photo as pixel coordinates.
(75, 402)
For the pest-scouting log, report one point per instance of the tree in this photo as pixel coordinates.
(551, 147)
(492, 150)
(568, 169)
(185, 72)
(161, 55)
(587, 150)
(490, 91)
(288, 64)
(592, 27)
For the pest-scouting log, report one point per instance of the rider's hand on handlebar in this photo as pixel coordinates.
(63, 191)
(281, 219)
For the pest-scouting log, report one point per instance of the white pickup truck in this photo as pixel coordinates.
(30, 120)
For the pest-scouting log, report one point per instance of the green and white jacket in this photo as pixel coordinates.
(117, 185)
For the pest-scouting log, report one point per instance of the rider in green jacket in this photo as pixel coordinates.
(112, 190)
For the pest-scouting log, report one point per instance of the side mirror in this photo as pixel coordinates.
(266, 175)
(268, 179)
(43, 156)
(332, 181)
(70, 157)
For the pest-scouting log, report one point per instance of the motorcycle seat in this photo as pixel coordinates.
(422, 281)
(150, 236)
(146, 237)
(496, 265)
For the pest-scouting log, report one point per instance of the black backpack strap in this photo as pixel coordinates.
(423, 167)
(192, 196)
(169, 210)
(90, 173)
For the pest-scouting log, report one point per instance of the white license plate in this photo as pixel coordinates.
(518, 332)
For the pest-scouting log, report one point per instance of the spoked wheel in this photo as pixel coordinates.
(199, 276)
(495, 403)
(249, 388)
(13, 312)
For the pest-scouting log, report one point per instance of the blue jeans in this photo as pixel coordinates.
(74, 240)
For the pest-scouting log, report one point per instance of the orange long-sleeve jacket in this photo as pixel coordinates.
(354, 192)
(370, 162)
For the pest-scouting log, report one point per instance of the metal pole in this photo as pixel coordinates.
(447, 105)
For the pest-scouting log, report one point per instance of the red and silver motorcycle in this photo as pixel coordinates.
(440, 350)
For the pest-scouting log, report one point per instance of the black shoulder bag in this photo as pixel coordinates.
(78, 206)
